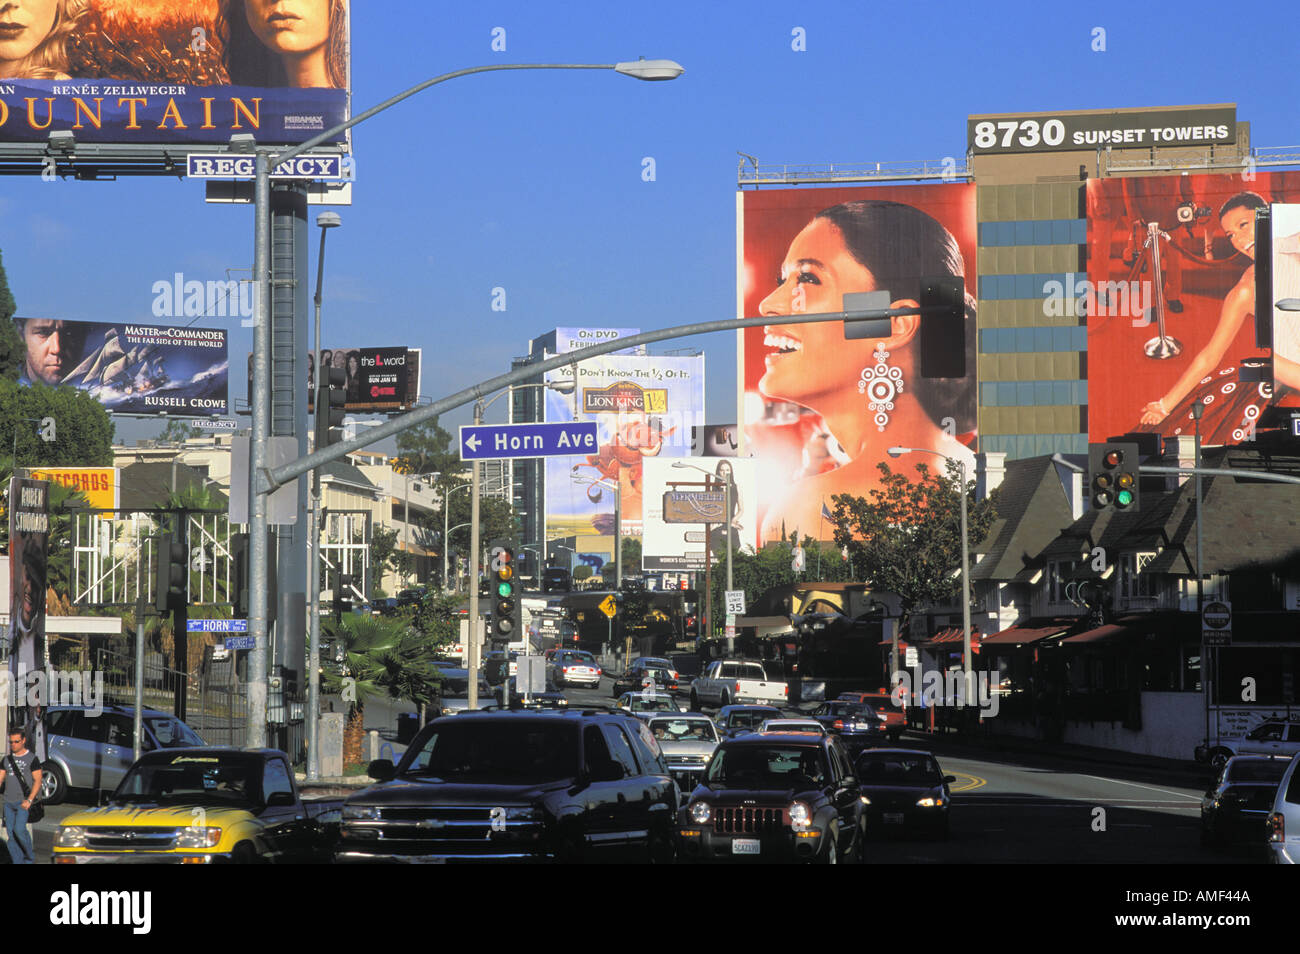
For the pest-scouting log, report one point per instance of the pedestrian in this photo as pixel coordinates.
(20, 776)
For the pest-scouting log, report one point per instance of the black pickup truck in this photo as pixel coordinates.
(517, 785)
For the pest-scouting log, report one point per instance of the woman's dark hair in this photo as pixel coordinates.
(1242, 200)
(900, 245)
(250, 63)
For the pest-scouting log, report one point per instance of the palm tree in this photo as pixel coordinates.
(380, 657)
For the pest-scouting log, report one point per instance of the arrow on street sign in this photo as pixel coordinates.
(498, 441)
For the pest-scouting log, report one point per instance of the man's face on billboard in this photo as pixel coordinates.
(31, 607)
(49, 349)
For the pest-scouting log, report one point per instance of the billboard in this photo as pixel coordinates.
(129, 368)
(173, 71)
(1092, 129)
(1170, 300)
(644, 407)
(674, 494)
(29, 531)
(819, 409)
(1286, 284)
(575, 339)
(99, 485)
(378, 379)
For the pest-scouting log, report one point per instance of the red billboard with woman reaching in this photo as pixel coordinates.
(819, 410)
(1170, 305)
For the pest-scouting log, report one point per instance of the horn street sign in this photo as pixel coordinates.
(495, 441)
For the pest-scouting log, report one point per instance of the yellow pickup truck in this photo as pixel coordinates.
(200, 806)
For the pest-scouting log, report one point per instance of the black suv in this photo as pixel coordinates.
(770, 796)
(556, 579)
(517, 785)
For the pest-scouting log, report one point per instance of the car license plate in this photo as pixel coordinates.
(745, 846)
(893, 818)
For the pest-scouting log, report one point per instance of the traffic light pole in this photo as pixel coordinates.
(474, 543)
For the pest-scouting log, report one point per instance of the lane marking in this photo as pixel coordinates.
(974, 783)
(1149, 788)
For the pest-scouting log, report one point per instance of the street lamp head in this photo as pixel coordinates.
(1289, 304)
(1198, 410)
(651, 70)
(897, 451)
(329, 220)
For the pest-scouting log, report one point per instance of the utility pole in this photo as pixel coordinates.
(473, 648)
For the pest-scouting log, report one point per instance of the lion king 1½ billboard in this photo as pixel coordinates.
(645, 407)
(819, 410)
(1170, 300)
(173, 71)
(130, 369)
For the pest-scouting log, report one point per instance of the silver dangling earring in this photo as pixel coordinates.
(882, 384)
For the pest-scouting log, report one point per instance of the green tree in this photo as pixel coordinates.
(82, 429)
(12, 350)
(632, 557)
(905, 536)
(178, 431)
(496, 519)
(427, 449)
(581, 573)
(381, 657)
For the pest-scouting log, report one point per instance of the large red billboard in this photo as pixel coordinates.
(1170, 300)
(819, 410)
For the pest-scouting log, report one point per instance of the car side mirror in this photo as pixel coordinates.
(947, 779)
(280, 800)
(609, 771)
(382, 770)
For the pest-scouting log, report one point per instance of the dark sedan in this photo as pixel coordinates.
(775, 797)
(646, 669)
(736, 720)
(905, 791)
(1235, 809)
(857, 724)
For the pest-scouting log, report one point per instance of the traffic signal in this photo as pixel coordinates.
(503, 592)
(1113, 475)
(330, 398)
(171, 573)
(943, 327)
(343, 596)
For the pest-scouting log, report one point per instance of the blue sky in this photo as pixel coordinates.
(532, 182)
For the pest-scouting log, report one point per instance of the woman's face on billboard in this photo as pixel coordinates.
(814, 358)
(24, 25)
(1239, 225)
(290, 26)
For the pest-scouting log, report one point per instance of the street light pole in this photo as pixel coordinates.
(965, 557)
(260, 483)
(1198, 409)
(326, 221)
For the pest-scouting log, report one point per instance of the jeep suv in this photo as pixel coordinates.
(517, 785)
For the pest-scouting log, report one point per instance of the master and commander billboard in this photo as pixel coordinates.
(173, 71)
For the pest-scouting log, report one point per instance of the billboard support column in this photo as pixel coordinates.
(257, 502)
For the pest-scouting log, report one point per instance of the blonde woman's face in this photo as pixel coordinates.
(24, 25)
(290, 26)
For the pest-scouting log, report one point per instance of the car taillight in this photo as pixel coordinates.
(839, 723)
(785, 690)
(1276, 828)
(737, 688)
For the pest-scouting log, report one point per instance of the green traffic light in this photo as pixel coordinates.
(505, 589)
(1124, 498)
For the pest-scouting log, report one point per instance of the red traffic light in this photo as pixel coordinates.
(1114, 458)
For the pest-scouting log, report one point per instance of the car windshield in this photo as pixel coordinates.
(514, 751)
(877, 769)
(752, 766)
(229, 780)
(683, 730)
(1262, 770)
(748, 718)
(640, 703)
(173, 733)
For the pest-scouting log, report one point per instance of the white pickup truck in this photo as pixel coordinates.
(731, 681)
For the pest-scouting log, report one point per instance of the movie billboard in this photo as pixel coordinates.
(29, 526)
(818, 409)
(1170, 304)
(575, 339)
(377, 379)
(644, 408)
(667, 545)
(173, 71)
(1286, 284)
(130, 369)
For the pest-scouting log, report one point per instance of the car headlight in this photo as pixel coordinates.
(360, 812)
(930, 801)
(701, 812)
(71, 836)
(197, 836)
(800, 815)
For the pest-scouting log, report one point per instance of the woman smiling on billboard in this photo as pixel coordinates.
(34, 36)
(864, 395)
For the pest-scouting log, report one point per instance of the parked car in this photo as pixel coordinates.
(1235, 809)
(905, 791)
(93, 749)
(643, 705)
(1272, 737)
(1284, 821)
(738, 720)
(771, 797)
(574, 667)
(523, 785)
(203, 805)
(688, 741)
(856, 724)
(634, 677)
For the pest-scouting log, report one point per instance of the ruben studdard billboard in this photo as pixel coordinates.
(129, 368)
(173, 71)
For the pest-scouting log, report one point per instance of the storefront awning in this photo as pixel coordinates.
(1102, 634)
(1022, 635)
